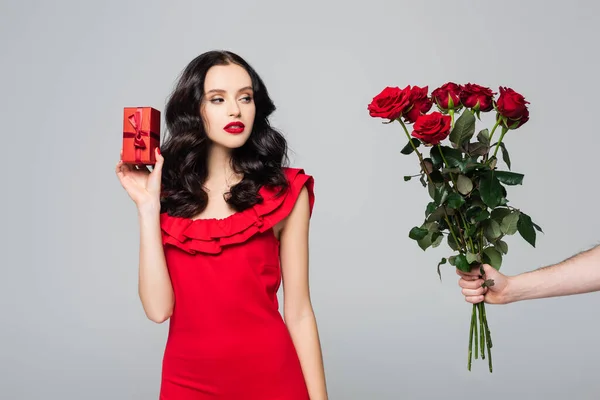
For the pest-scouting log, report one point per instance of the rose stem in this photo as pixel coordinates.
(485, 157)
(494, 129)
(482, 333)
(415, 149)
(504, 130)
(455, 187)
(487, 329)
(476, 334)
(489, 341)
(488, 336)
(471, 338)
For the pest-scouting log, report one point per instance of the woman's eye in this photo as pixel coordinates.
(247, 99)
(216, 100)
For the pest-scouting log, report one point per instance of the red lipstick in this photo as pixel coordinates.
(234, 127)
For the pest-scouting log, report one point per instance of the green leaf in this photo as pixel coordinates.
(477, 149)
(452, 243)
(439, 193)
(470, 231)
(436, 176)
(425, 235)
(431, 207)
(537, 227)
(452, 156)
(464, 128)
(455, 200)
(431, 189)
(471, 258)
(439, 213)
(499, 213)
(501, 246)
(430, 226)
(526, 229)
(454, 170)
(473, 212)
(484, 137)
(505, 155)
(492, 162)
(464, 184)
(425, 243)
(442, 225)
(407, 178)
(475, 199)
(428, 165)
(462, 264)
(452, 260)
(473, 165)
(477, 214)
(408, 148)
(492, 230)
(442, 261)
(417, 233)
(482, 216)
(434, 154)
(436, 239)
(509, 223)
(490, 189)
(509, 178)
(492, 257)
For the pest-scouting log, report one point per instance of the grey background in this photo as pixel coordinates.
(72, 326)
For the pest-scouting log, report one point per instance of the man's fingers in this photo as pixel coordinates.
(474, 292)
(469, 277)
(473, 273)
(470, 284)
(474, 299)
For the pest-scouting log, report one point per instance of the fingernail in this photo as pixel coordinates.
(158, 149)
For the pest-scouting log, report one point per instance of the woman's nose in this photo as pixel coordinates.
(234, 110)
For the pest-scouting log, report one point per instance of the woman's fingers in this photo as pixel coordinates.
(122, 169)
(154, 183)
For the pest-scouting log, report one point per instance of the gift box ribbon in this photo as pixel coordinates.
(136, 122)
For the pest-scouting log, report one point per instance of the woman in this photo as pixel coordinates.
(222, 223)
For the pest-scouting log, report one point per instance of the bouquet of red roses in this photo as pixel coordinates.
(469, 208)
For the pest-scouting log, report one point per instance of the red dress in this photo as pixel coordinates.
(227, 339)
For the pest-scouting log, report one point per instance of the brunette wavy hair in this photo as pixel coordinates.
(260, 160)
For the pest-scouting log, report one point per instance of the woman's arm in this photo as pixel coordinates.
(298, 312)
(154, 284)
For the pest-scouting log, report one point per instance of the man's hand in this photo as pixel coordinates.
(493, 292)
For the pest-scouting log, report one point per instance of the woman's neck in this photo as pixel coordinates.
(220, 172)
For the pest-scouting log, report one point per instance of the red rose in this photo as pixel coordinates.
(432, 128)
(420, 103)
(471, 94)
(442, 95)
(390, 103)
(514, 123)
(511, 104)
(513, 107)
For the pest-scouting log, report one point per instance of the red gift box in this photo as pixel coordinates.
(141, 135)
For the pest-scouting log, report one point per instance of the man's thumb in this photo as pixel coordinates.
(489, 270)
